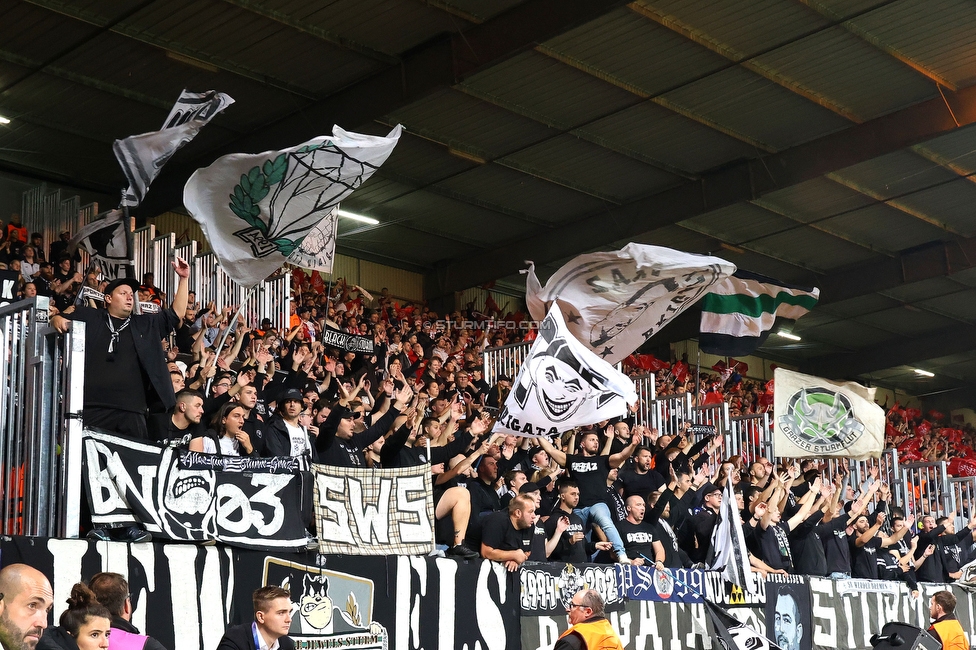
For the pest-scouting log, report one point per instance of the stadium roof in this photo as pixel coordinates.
(822, 142)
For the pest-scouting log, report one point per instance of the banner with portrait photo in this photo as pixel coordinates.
(138, 482)
(561, 385)
(789, 617)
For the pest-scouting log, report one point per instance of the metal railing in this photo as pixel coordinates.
(40, 430)
(669, 413)
(964, 491)
(925, 490)
(47, 213)
(504, 361)
(750, 437)
(646, 395)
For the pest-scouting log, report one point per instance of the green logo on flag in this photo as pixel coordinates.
(821, 421)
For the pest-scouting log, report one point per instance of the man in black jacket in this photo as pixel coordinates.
(336, 443)
(112, 591)
(269, 631)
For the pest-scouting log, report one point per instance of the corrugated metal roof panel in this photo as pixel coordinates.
(775, 268)
(522, 193)
(546, 90)
(749, 26)
(956, 148)
(458, 120)
(756, 108)
(423, 161)
(376, 191)
(813, 249)
(454, 219)
(883, 228)
(814, 200)
(483, 9)
(636, 51)
(674, 237)
(220, 33)
(951, 203)
(389, 26)
(939, 35)
(849, 335)
(897, 173)
(22, 22)
(842, 68)
(859, 306)
(590, 167)
(742, 222)
(78, 159)
(960, 305)
(905, 321)
(670, 138)
(930, 288)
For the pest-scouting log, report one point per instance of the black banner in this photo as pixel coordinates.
(129, 481)
(273, 465)
(788, 609)
(702, 429)
(347, 342)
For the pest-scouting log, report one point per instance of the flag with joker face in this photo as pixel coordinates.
(562, 385)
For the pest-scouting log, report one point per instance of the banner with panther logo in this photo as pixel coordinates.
(258, 210)
(815, 417)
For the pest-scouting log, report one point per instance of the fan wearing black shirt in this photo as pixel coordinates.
(640, 478)
(867, 545)
(590, 471)
(571, 545)
(638, 535)
(773, 533)
(507, 536)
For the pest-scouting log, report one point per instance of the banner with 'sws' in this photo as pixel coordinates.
(362, 511)
(138, 482)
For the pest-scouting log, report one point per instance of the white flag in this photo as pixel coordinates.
(257, 209)
(537, 308)
(142, 156)
(317, 250)
(730, 555)
(107, 243)
(615, 301)
(562, 385)
(815, 417)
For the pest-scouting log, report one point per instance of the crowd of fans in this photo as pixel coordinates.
(612, 492)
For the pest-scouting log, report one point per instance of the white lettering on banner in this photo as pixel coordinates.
(412, 498)
(231, 499)
(106, 496)
(490, 621)
(7, 293)
(372, 522)
(824, 622)
(335, 527)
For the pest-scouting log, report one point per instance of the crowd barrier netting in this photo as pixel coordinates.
(43, 386)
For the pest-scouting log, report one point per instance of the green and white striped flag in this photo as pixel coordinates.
(739, 312)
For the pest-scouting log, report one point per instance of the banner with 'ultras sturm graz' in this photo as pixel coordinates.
(817, 417)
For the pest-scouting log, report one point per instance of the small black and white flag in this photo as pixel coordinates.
(142, 156)
(562, 385)
(729, 552)
(733, 634)
(106, 240)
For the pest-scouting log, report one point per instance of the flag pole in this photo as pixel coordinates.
(223, 337)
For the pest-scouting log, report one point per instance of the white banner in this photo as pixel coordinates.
(816, 417)
(142, 156)
(256, 210)
(562, 385)
(614, 301)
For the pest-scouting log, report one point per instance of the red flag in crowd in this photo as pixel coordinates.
(936, 416)
(647, 362)
(962, 467)
(299, 276)
(680, 370)
(738, 366)
(318, 284)
(924, 428)
(912, 414)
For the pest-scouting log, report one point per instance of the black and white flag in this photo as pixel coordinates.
(142, 156)
(730, 555)
(131, 481)
(9, 281)
(562, 385)
(106, 240)
(614, 301)
(733, 634)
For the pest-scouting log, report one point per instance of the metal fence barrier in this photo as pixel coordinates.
(669, 413)
(47, 213)
(750, 437)
(964, 491)
(925, 489)
(646, 395)
(40, 449)
(504, 361)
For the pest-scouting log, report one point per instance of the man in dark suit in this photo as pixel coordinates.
(269, 631)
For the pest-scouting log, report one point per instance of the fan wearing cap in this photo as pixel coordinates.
(285, 436)
(125, 368)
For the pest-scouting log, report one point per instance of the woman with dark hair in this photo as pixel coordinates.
(85, 625)
(226, 436)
